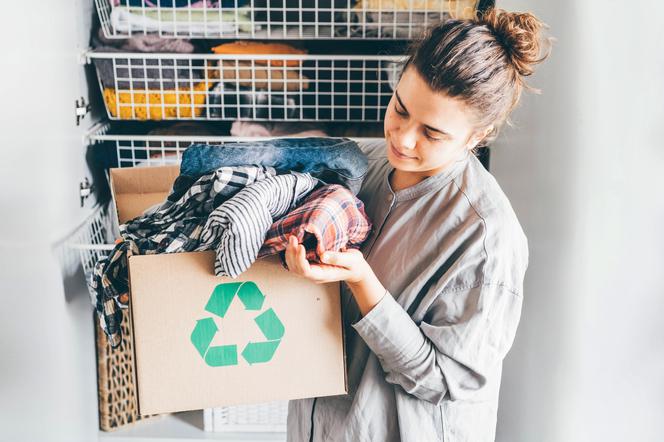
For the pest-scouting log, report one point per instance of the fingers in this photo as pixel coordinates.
(326, 273)
(342, 259)
(296, 257)
(320, 249)
(297, 262)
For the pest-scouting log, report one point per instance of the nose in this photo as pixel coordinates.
(406, 137)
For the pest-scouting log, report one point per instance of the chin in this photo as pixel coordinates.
(398, 163)
(393, 163)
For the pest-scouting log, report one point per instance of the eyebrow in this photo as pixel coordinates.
(396, 94)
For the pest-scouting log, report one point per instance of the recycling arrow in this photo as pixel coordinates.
(216, 356)
(218, 304)
(256, 352)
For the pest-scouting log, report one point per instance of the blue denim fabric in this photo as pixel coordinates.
(331, 160)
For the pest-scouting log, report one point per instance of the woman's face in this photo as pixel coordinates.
(426, 131)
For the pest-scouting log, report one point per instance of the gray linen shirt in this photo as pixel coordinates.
(425, 363)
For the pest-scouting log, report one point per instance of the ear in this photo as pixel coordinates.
(478, 136)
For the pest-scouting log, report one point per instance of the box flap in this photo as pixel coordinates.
(136, 189)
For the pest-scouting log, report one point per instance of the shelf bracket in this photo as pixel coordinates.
(85, 188)
(101, 127)
(84, 57)
(81, 109)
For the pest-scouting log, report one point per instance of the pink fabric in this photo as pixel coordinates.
(248, 129)
(252, 129)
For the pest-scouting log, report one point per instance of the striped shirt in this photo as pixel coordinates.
(237, 228)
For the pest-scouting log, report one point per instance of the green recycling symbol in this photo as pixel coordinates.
(218, 304)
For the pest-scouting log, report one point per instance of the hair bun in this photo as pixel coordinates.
(520, 36)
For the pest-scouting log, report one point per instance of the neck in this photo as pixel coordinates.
(401, 179)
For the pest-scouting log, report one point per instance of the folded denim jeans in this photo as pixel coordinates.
(331, 160)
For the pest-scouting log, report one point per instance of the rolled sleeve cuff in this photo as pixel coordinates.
(390, 332)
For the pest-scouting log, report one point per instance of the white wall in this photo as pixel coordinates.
(583, 169)
(47, 367)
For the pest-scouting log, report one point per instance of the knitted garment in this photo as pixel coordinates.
(156, 105)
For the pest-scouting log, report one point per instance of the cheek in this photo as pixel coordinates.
(390, 122)
(441, 154)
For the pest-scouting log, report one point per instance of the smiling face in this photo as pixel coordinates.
(426, 131)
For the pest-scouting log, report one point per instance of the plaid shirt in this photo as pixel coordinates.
(331, 218)
(175, 226)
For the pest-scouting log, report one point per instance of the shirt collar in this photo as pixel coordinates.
(429, 184)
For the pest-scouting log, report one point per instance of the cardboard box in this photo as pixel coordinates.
(205, 341)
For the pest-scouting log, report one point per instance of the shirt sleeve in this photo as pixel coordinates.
(466, 335)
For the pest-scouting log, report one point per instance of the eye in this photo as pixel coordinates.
(401, 112)
(430, 138)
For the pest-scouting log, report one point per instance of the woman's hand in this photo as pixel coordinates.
(349, 266)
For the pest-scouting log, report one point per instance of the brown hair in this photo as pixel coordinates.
(482, 61)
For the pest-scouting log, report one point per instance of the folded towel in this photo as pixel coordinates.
(252, 47)
(190, 21)
(246, 73)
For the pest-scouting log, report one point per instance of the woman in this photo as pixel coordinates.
(432, 302)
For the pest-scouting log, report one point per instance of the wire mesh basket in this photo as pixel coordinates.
(93, 239)
(269, 417)
(116, 383)
(279, 19)
(252, 87)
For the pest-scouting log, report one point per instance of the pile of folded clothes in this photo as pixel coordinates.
(243, 200)
(194, 18)
(136, 87)
(256, 88)
(141, 88)
(405, 18)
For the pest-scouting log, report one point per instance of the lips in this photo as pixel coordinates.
(400, 155)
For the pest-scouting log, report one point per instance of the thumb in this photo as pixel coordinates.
(340, 259)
